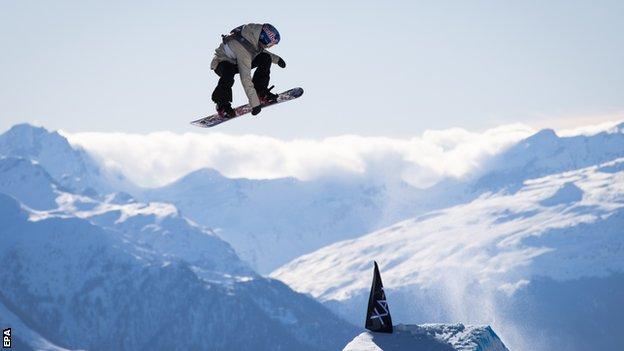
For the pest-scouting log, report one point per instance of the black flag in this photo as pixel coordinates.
(378, 314)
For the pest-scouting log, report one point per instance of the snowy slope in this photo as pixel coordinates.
(158, 230)
(466, 259)
(23, 337)
(23, 179)
(82, 286)
(155, 227)
(429, 337)
(489, 238)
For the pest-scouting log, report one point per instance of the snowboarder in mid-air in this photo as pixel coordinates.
(243, 49)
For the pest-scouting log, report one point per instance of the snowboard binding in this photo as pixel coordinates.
(267, 97)
(226, 111)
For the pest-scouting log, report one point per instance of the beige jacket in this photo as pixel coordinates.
(243, 59)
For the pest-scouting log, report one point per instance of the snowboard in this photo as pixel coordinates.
(213, 120)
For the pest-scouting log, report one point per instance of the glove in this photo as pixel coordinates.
(281, 63)
(256, 110)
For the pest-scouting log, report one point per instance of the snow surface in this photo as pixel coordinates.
(429, 337)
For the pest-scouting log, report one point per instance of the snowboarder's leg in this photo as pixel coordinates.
(222, 94)
(261, 77)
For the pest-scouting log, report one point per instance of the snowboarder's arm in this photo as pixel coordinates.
(274, 58)
(244, 69)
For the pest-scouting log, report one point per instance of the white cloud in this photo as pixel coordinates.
(156, 159)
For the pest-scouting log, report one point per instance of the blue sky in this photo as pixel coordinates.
(373, 68)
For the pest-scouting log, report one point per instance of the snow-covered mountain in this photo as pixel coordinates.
(100, 271)
(73, 168)
(81, 286)
(429, 337)
(541, 261)
(270, 222)
(256, 216)
(532, 245)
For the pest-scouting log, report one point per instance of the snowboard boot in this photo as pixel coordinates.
(226, 110)
(266, 96)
